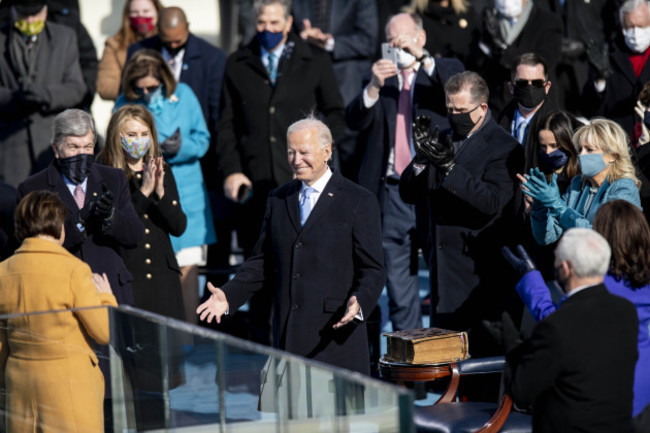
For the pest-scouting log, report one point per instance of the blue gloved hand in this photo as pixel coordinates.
(546, 194)
(522, 263)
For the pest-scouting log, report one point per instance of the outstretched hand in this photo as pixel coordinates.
(522, 263)
(215, 307)
(351, 311)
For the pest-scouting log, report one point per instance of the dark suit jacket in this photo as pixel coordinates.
(315, 269)
(203, 69)
(255, 115)
(542, 34)
(378, 122)
(577, 369)
(354, 25)
(621, 91)
(471, 219)
(98, 248)
(531, 144)
(26, 132)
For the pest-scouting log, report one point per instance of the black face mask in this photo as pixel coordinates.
(461, 123)
(529, 96)
(76, 168)
(174, 51)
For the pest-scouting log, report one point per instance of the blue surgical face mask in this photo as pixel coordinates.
(591, 164)
(269, 40)
(554, 160)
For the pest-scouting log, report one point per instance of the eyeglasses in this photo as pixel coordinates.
(534, 83)
(140, 90)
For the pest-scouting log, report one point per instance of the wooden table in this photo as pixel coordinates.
(400, 373)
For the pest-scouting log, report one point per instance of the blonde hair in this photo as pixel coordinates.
(112, 153)
(419, 6)
(610, 138)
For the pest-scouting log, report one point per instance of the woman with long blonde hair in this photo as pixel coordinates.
(607, 174)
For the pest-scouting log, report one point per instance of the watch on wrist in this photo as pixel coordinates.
(425, 55)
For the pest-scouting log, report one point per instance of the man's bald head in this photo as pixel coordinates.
(171, 18)
(173, 29)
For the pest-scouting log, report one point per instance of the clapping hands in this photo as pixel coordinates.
(430, 147)
(153, 178)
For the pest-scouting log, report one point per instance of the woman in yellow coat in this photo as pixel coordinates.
(47, 363)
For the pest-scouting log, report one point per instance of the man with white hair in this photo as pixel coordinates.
(616, 85)
(577, 369)
(319, 255)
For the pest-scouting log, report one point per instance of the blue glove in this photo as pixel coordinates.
(546, 194)
(522, 263)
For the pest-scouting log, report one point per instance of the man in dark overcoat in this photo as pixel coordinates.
(566, 369)
(319, 255)
(470, 182)
(40, 76)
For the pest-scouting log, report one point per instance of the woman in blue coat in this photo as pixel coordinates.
(184, 139)
(607, 174)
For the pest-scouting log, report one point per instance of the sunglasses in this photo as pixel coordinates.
(140, 90)
(534, 83)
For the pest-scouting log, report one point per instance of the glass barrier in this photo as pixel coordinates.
(163, 375)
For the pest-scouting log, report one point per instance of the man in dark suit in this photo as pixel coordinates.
(261, 99)
(40, 76)
(274, 81)
(469, 180)
(509, 30)
(529, 87)
(320, 256)
(615, 96)
(347, 29)
(101, 217)
(577, 369)
(383, 114)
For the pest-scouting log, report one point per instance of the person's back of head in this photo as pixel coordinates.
(586, 251)
(626, 229)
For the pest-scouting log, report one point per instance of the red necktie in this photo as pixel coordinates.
(402, 142)
(79, 196)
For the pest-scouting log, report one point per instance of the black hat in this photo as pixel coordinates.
(28, 7)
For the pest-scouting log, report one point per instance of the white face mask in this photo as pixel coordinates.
(509, 8)
(404, 59)
(637, 38)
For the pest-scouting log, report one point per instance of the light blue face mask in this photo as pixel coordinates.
(154, 100)
(591, 164)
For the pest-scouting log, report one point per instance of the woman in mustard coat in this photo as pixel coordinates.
(47, 364)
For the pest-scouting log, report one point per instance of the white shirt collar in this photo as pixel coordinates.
(319, 185)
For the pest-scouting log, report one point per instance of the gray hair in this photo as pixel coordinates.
(414, 16)
(630, 6)
(72, 123)
(475, 84)
(586, 250)
(311, 122)
(259, 6)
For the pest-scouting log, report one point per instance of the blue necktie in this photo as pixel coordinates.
(271, 68)
(306, 204)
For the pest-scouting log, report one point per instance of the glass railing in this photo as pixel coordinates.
(165, 375)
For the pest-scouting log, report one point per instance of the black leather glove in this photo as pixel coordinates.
(430, 147)
(492, 33)
(522, 264)
(172, 144)
(105, 210)
(598, 56)
(86, 212)
(32, 97)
